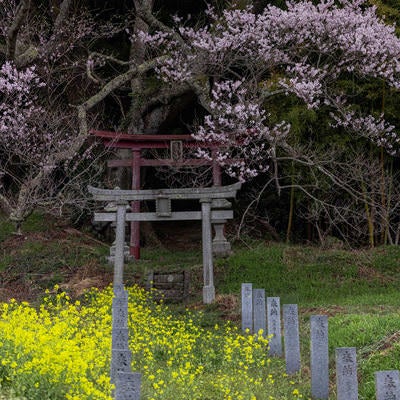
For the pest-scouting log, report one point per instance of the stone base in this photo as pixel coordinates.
(221, 248)
(208, 294)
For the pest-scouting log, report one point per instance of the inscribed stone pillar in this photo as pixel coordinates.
(128, 386)
(292, 339)
(346, 373)
(319, 357)
(247, 307)
(120, 353)
(274, 326)
(259, 312)
(119, 243)
(208, 269)
(387, 384)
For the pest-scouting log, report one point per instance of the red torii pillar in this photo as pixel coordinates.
(136, 143)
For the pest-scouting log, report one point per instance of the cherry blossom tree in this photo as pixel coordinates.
(241, 61)
(233, 67)
(304, 50)
(43, 156)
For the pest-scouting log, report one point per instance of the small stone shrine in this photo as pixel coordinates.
(172, 286)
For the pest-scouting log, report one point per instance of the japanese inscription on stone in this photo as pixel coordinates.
(346, 373)
(128, 386)
(120, 338)
(274, 326)
(319, 357)
(247, 307)
(259, 311)
(120, 353)
(387, 384)
(291, 338)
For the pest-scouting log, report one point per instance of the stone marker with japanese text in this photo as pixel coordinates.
(319, 357)
(128, 386)
(346, 373)
(274, 326)
(259, 312)
(387, 384)
(291, 338)
(247, 307)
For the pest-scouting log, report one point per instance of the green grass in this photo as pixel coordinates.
(46, 254)
(358, 289)
(36, 222)
(311, 276)
(6, 227)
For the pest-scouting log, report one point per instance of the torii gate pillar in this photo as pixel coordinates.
(134, 245)
(208, 269)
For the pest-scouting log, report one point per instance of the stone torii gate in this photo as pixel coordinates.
(163, 212)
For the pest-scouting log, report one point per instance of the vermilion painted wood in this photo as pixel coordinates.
(137, 143)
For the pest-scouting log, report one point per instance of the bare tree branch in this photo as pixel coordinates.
(12, 34)
(27, 57)
(202, 90)
(63, 14)
(5, 204)
(144, 10)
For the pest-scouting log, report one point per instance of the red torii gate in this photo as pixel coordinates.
(137, 143)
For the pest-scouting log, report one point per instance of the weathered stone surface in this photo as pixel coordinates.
(292, 340)
(163, 206)
(387, 384)
(128, 386)
(259, 311)
(207, 196)
(208, 267)
(208, 294)
(120, 307)
(274, 326)
(175, 216)
(119, 291)
(120, 301)
(319, 357)
(119, 257)
(120, 338)
(221, 247)
(215, 192)
(346, 373)
(120, 353)
(247, 307)
(120, 362)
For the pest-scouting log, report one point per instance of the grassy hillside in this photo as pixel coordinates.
(358, 289)
(311, 276)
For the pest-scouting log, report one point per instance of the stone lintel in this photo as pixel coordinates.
(217, 192)
(174, 216)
